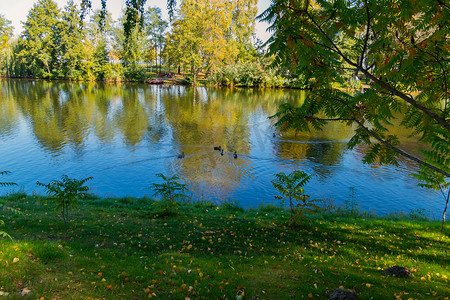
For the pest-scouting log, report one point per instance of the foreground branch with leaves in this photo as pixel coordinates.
(400, 47)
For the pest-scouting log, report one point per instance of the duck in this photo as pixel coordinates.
(181, 155)
(274, 135)
(235, 155)
(221, 152)
(218, 148)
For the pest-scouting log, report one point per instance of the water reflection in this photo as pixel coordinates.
(124, 134)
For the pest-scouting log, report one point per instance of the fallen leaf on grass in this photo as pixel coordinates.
(25, 292)
(15, 259)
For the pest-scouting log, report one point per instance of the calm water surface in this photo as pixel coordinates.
(123, 135)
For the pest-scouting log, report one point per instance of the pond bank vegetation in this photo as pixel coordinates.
(125, 248)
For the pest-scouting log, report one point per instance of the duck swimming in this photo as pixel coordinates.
(235, 155)
(218, 148)
(181, 155)
(221, 152)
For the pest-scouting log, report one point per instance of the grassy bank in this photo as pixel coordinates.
(120, 248)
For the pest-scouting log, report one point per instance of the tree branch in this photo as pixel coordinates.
(366, 38)
(400, 151)
(386, 86)
(441, 2)
(379, 139)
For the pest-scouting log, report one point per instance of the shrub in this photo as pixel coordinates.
(65, 193)
(170, 192)
(291, 187)
(3, 205)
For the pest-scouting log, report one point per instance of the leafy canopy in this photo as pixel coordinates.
(401, 47)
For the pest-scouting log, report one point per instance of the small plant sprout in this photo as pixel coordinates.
(291, 188)
(65, 193)
(3, 205)
(170, 192)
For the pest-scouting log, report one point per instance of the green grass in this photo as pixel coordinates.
(121, 248)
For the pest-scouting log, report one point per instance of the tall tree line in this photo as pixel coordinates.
(65, 44)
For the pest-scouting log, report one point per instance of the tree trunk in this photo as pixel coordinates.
(445, 209)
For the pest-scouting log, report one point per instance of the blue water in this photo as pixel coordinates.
(124, 135)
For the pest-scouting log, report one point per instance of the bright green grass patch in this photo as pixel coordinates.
(122, 248)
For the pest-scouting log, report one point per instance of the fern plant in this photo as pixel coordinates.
(171, 192)
(65, 193)
(291, 188)
(3, 206)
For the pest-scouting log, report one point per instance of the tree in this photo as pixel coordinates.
(186, 38)
(6, 31)
(71, 47)
(37, 49)
(208, 34)
(155, 27)
(103, 43)
(402, 47)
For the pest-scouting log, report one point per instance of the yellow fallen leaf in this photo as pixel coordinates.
(368, 285)
(16, 259)
(310, 295)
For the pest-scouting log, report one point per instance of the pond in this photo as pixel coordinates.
(124, 134)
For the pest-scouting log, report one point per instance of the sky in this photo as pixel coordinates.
(17, 10)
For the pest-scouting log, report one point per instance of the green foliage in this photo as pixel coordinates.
(3, 205)
(209, 34)
(351, 206)
(155, 28)
(38, 45)
(354, 84)
(134, 72)
(291, 188)
(3, 184)
(231, 206)
(256, 73)
(6, 31)
(65, 193)
(247, 74)
(171, 192)
(401, 47)
(417, 214)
